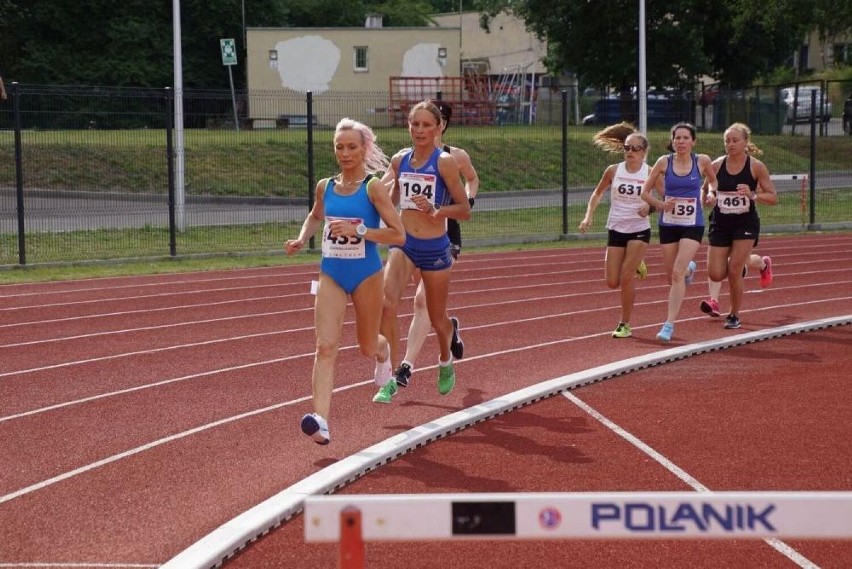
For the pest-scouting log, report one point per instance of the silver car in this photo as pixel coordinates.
(799, 106)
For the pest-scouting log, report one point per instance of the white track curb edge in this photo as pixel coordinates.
(223, 542)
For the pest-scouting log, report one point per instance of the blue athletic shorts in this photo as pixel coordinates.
(428, 254)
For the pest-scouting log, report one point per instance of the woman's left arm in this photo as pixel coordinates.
(449, 170)
(766, 193)
(709, 172)
(394, 233)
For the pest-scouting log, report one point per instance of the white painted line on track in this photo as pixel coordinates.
(683, 475)
(75, 565)
(235, 534)
(604, 334)
(152, 310)
(489, 304)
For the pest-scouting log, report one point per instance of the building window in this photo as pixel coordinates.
(361, 58)
(842, 53)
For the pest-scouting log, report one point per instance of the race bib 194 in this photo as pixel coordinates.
(413, 184)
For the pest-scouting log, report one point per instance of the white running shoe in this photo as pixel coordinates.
(316, 427)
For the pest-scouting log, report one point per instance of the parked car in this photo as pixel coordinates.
(799, 109)
(661, 112)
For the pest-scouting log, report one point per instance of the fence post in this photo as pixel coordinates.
(565, 162)
(310, 154)
(19, 173)
(812, 226)
(170, 165)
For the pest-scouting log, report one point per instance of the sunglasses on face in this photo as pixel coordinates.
(628, 148)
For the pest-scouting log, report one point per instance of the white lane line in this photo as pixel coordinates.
(683, 475)
(147, 310)
(355, 346)
(80, 564)
(148, 446)
(487, 304)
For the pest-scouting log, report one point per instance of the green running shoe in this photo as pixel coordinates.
(622, 331)
(446, 379)
(386, 392)
(642, 270)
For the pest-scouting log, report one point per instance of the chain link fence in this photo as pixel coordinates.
(94, 173)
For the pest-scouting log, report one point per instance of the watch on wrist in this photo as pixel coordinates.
(361, 230)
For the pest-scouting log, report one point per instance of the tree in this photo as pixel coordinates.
(129, 43)
(733, 40)
(750, 38)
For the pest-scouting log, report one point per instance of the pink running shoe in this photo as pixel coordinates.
(711, 307)
(766, 273)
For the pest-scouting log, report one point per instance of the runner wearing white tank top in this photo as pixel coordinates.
(629, 228)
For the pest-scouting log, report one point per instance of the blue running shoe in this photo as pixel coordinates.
(690, 272)
(665, 333)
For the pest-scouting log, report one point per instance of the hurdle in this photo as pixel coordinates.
(803, 194)
(353, 519)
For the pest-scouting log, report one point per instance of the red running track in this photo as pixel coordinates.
(139, 414)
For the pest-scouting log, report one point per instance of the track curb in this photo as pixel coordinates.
(228, 539)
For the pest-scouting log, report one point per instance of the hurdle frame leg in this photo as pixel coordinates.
(351, 539)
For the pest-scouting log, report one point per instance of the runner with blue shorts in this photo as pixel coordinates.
(428, 188)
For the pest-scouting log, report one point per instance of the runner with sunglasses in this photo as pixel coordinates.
(628, 228)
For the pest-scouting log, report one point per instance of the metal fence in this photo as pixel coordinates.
(101, 173)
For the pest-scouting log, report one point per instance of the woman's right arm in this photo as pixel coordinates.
(595, 199)
(655, 177)
(311, 223)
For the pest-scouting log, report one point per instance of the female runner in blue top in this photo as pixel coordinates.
(426, 182)
(681, 222)
(352, 205)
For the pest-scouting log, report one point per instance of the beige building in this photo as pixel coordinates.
(374, 73)
(347, 70)
(506, 46)
(816, 55)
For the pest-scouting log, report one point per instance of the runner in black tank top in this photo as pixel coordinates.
(734, 222)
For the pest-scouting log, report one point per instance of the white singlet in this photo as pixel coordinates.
(625, 200)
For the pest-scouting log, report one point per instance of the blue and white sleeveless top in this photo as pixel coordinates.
(355, 208)
(685, 191)
(425, 180)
